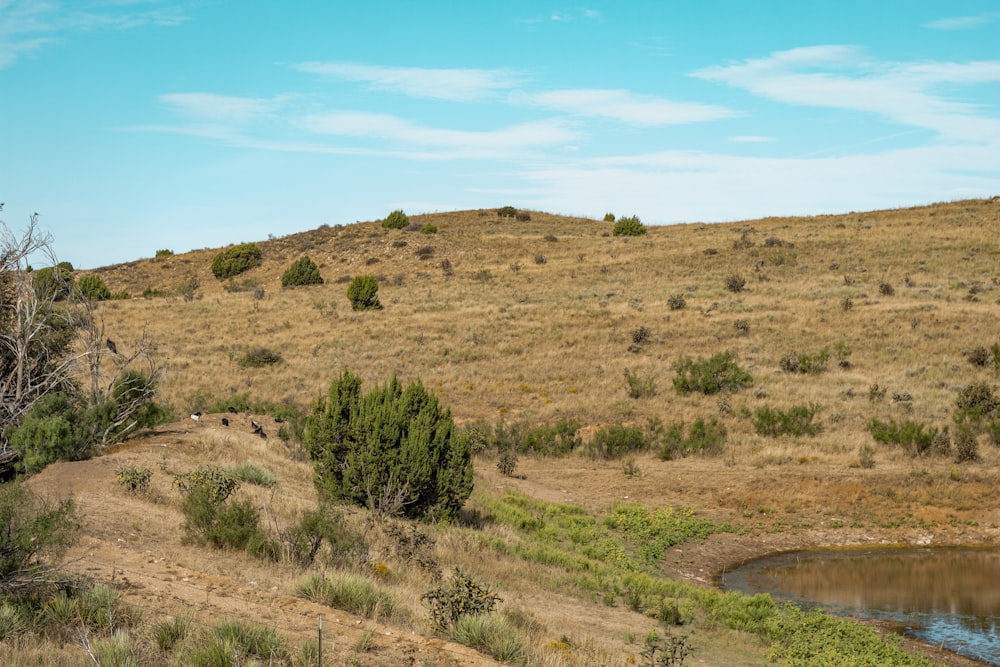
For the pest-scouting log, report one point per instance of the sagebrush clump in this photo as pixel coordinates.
(710, 376)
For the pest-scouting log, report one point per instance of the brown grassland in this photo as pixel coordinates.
(538, 321)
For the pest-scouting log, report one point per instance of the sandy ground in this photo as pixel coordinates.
(135, 543)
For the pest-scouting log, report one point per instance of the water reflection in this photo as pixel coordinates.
(948, 596)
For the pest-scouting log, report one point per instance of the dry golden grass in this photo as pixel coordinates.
(505, 337)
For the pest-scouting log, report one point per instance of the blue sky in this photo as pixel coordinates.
(135, 125)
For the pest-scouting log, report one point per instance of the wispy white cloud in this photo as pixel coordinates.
(398, 131)
(751, 139)
(844, 77)
(229, 109)
(566, 16)
(26, 26)
(440, 83)
(628, 107)
(961, 22)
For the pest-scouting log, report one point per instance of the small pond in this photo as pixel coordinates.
(946, 596)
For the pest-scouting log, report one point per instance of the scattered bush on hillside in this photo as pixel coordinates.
(704, 438)
(796, 421)
(93, 287)
(735, 283)
(742, 327)
(506, 212)
(429, 229)
(302, 272)
(363, 293)
(908, 434)
(639, 387)
(53, 283)
(966, 444)
(164, 252)
(809, 364)
(507, 464)
(258, 357)
(152, 293)
(676, 302)
(424, 252)
(609, 217)
(710, 376)
(886, 289)
(522, 216)
(617, 440)
(975, 402)
(461, 596)
(36, 534)
(121, 295)
(235, 260)
(394, 450)
(559, 439)
(396, 220)
(134, 479)
(630, 226)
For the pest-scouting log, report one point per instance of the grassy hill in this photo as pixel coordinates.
(550, 321)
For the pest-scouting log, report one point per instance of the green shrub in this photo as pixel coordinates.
(302, 272)
(258, 357)
(218, 482)
(710, 376)
(236, 642)
(966, 444)
(429, 229)
(164, 252)
(616, 440)
(461, 596)
(225, 524)
(639, 387)
(53, 283)
(134, 479)
(121, 295)
(976, 401)
(351, 592)
(152, 293)
(676, 302)
(92, 287)
(507, 464)
(908, 434)
(393, 450)
(396, 220)
(805, 363)
(796, 421)
(506, 212)
(609, 217)
(235, 260)
(706, 438)
(252, 473)
(363, 293)
(322, 526)
(559, 439)
(630, 226)
(36, 533)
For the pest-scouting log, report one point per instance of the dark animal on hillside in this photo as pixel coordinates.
(225, 422)
(111, 346)
(231, 410)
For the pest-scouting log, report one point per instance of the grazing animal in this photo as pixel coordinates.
(256, 427)
(262, 434)
(111, 346)
(196, 416)
(231, 410)
(225, 422)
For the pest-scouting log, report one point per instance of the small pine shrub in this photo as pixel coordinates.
(735, 283)
(235, 260)
(710, 376)
(609, 217)
(630, 226)
(363, 293)
(164, 252)
(93, 287)
(396, 220)
(429, 229)
(53, 282)
(302, 272)
(506, 212)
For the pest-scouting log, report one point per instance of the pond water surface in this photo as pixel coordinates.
(948, 597)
